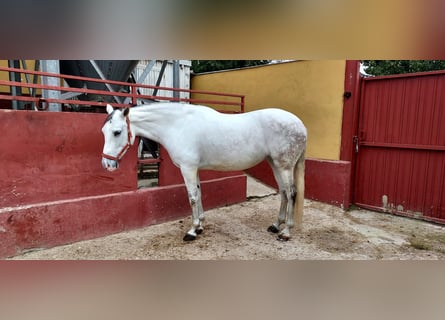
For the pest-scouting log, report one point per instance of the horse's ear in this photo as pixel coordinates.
(126, 112)
(109, 108)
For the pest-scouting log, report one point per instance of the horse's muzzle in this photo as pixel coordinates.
(109, 165)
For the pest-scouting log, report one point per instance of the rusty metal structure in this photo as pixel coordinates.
(87, 85)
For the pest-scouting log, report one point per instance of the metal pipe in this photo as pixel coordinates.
(116, 83)
(161, 74)
(52, 67)
(146, 72)
(176, 82)
(15, 77)
(120, 83)
(102, 76)
(141, 78)
(60, 89)
(35, 79)
(32, 91)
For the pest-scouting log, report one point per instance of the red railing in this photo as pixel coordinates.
(232, 100)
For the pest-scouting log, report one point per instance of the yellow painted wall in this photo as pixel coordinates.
(5, 76)
(313, 90)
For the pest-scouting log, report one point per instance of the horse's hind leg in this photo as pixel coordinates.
(295, 197)
(290, 195)
(191, 180)
(275, 227)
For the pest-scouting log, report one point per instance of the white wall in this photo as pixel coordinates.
(167, 79)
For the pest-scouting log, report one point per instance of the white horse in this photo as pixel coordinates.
(198, 137)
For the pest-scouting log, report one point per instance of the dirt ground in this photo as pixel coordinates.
(238, 232)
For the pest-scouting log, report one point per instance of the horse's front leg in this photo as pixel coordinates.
(191, 180)
(201, 217)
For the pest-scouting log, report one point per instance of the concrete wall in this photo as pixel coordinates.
(167, 79)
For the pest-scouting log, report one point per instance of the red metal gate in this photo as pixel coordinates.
(400, 145)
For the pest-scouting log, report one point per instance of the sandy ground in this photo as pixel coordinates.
(238, 232)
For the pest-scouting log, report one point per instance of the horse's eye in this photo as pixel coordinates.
(117, 133)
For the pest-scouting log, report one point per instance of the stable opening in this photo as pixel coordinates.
(148, 163)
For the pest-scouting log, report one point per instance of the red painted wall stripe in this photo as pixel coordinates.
(55, 223)
(325, 180)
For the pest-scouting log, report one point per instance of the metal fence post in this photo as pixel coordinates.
(16, 77)
(51, 66)
(176, 82)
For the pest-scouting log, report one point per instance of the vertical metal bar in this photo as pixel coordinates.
(35, 79)
(32, 91)
(140, 80)
(15, 91)
(51, 66)
(161, 73)
(133, 95)
(27, 76)
(146, 71)
(176, 82)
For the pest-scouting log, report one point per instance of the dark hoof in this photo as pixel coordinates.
(273, 229)
(282, 237)
(199, 231)
(189, 237)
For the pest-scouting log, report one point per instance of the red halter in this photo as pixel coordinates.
(124, 148)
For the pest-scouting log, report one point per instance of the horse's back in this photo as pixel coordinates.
(280, 123)
(272, 115)
(244, 140)
(259, 127)
(263, 117)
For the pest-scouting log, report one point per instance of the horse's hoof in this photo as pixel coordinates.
(283, 237)
(273, 229)
(189, 237)
(199, 231)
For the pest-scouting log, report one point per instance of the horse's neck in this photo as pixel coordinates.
(151, 121)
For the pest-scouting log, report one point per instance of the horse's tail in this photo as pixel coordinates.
(299, 182)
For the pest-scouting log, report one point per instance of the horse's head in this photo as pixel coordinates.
(118, 137)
